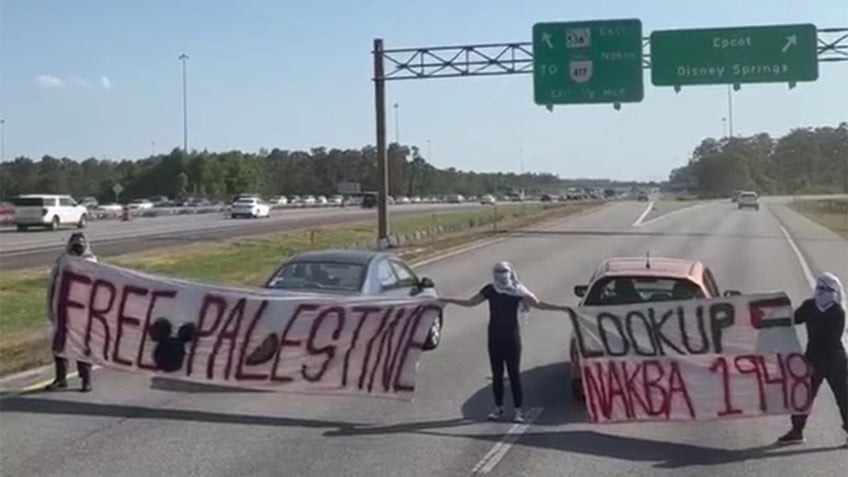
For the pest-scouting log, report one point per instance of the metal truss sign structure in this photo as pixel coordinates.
(513, 58)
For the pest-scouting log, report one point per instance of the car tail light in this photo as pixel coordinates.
(43, 212)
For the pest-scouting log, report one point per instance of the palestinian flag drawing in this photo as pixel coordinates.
(771, 312)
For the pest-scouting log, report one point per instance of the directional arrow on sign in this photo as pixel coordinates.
(791, 40)
(546, 38)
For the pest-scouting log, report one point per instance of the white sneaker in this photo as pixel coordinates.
(519, 415)
(496, 414)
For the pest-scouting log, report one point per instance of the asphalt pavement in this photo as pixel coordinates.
(131, 425)
(113, 237)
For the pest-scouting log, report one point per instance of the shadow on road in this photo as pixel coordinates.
(175, 385)
(37, 405)
(544, 386)
(665, 455)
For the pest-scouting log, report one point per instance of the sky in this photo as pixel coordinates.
(102, 78)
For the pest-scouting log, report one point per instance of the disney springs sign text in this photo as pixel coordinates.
(691, 360)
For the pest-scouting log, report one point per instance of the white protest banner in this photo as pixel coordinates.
(131, 321)
(694, 360)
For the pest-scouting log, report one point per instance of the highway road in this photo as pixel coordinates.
(112, 237)
(132, 425)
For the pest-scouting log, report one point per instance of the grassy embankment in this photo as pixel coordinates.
(248, 261)
(830, 213)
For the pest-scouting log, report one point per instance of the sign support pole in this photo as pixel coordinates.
(382, 155)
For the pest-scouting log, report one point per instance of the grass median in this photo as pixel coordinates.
(830, 213)
(249, 260)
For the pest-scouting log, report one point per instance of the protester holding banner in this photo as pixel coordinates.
(77, 246)
(824, 317)
(507, 297)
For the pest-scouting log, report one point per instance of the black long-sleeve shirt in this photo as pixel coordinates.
(824, 334)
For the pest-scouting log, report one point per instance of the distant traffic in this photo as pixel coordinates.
(55, 211)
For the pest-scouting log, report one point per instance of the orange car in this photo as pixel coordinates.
(624, 281)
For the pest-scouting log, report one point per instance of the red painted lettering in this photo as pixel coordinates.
(747, 364)
(616, 389)
(365, 312)
(209, 300)
(122, 318)
(410, 344)
(596, 391)
(652, 384)
(384, 338)
(768, 379)
(633, 395)
(63, 303)
(720, 365)
(229, 331)
(328, 350)
(284, 341)
(240, 374)
(100, 313)
(364, 370)
(802, 380)
(677, 385)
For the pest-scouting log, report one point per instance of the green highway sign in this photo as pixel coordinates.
(587, 62)
(755, 54)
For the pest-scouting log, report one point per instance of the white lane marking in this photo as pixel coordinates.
(808, 274)
(645, 213)
(499, 450)
(669, 214)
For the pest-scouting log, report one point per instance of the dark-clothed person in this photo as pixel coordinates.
(508, 299)
(77, 246)
(824, 318)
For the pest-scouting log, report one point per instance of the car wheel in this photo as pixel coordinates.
(577, 390)
(22, 228)
(234, 216)
(82, 222)
(435, 335)
(54, 224)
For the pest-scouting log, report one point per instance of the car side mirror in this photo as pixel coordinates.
(426, 282)
(732, 293)
(580, 290)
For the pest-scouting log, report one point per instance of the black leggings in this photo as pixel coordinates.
(61, 366)
(506, 352)
(836, 376)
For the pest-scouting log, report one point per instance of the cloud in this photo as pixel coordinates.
(78, 81)
(106, 82)
(48, 81)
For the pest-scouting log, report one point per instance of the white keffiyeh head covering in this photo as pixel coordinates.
(828, 292)
(505, 280)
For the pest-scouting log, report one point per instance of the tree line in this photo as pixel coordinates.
(803, 161)
(219, 175)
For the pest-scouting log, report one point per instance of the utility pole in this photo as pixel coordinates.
(184, 58)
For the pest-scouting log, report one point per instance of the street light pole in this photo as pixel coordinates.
(730, 109)
(184, 58)
(397, 123)
(429, 151)
(2, 140)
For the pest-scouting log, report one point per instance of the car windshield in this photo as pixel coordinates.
(630, 290)
(319, 276)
